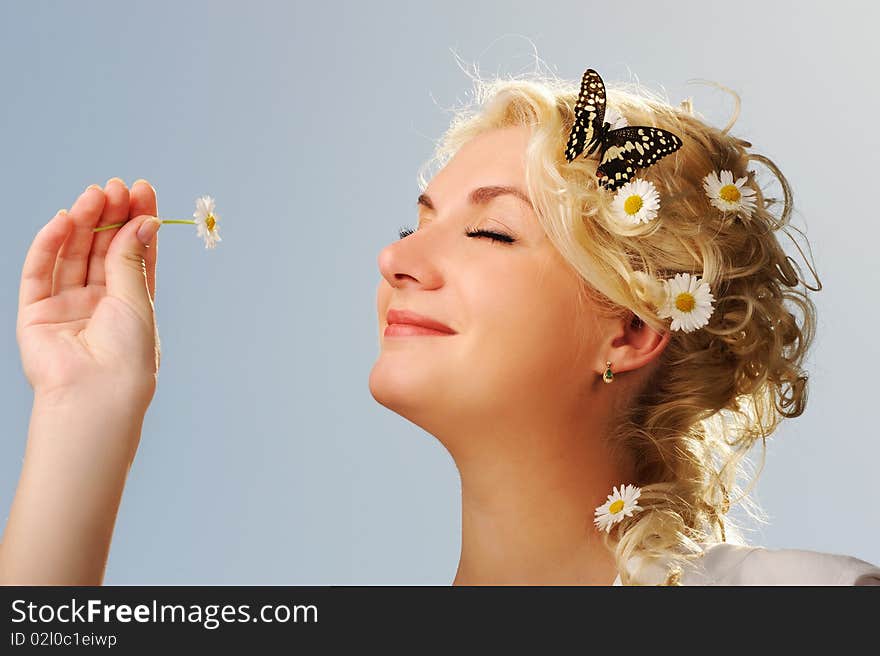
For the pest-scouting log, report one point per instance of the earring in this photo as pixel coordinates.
(608, 376)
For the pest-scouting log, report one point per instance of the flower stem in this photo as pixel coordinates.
(116, 225)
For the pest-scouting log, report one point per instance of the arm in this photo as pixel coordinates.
(61, 522)
(90, 350)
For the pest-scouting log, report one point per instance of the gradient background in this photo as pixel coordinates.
(264, 459)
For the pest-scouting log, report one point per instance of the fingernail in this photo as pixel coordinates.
(112, 179)
(148, 230)
(61, 211)
(94, 186)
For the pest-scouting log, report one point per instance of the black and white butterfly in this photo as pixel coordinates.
(621, 151)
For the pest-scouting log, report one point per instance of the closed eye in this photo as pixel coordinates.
(494, 236)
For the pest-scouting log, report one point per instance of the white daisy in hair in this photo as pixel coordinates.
(206, 221)
(615, 118)
(689, 302)
(729, 195)
(621, 503)
(636, 202)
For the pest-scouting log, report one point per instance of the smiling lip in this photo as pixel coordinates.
(406, 323)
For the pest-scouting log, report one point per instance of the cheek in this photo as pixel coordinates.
(530, 326)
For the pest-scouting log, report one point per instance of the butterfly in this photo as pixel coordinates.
(621, 151)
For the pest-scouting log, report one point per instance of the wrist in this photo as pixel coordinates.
(121, 399)
(89, 428)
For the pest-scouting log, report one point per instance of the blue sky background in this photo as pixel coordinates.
(264, 458)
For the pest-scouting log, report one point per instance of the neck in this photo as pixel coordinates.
(527, 508)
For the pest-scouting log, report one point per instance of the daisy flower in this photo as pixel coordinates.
(688, 302)
(621, 503)
(206, 221)
(203, 218)
(636, 202)
(615, 118)
(729, 196)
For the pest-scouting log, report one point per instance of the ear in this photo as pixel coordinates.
(633, 344)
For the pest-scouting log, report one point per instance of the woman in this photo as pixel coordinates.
(525, 324)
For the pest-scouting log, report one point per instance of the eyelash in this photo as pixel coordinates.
(470, 232)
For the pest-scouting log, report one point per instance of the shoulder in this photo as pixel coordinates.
(730, 564)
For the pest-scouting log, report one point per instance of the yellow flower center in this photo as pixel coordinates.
(730, 193)
(210, 222)
(632, 204)
(685, 302)
(616, 507)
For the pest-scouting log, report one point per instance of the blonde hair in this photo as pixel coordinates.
(717, 390)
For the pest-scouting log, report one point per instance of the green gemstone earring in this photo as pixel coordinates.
(608, 376)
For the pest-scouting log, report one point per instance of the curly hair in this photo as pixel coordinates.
(715, 391)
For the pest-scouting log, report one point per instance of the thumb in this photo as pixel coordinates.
(125, 266)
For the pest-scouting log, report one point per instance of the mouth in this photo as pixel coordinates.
(403, 323)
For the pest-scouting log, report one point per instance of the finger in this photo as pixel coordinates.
(143, 201)
(39, 263)
(126, 267)
(73, 259)
(115, 211)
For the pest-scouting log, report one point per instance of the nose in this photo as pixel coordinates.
(410, 262)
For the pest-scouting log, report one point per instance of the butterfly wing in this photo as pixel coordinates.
(589, 116)
(631, 148)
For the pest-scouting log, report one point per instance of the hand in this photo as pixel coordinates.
(86, 316)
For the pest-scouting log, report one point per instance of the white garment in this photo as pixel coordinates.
(731, 564)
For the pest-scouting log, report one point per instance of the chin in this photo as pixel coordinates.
(408, 391)
(393, 385)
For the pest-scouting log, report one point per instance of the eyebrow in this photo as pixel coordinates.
(482, 195)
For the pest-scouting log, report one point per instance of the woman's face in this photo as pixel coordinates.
(519, 345)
